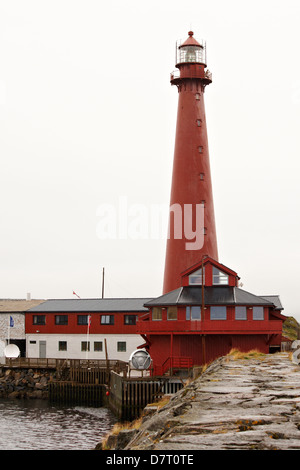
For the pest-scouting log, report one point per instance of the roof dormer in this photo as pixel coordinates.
(209, 272)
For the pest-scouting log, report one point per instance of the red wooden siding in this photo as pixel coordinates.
(229, 326)
(202, 349)
(73, 328)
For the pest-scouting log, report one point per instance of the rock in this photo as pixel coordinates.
(22, 383)
(39, 386)
(35, 394)
(112, 441)
(14, 394)
(150, 410)
(124, 437)
(234, 404)
(181, 408)
(44, 380)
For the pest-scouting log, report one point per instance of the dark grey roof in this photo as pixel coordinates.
(92, 305)
(171, 298)
(275, 299)
(246, 298)
(216, 295)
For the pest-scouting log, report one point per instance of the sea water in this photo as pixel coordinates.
(38, 425)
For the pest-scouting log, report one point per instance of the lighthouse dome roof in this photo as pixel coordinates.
(191, 41)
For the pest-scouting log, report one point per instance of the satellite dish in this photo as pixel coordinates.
(140, 360)
(12, 351)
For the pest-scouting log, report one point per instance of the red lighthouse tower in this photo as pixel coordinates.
(203, 313)
(191, 191)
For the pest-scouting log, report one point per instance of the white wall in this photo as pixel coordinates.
(15, 332)
(74, 346)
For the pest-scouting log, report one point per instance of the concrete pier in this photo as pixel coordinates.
(248, 403)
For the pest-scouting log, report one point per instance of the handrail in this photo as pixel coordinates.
(63, 363)
(176, 75)
(175, 362)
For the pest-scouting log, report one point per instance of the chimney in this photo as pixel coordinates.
(28, 296)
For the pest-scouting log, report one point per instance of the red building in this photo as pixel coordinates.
(80, 328)
(208, 316)
(202, 313)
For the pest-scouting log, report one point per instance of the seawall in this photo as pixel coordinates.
(248, 402)
(25, 383)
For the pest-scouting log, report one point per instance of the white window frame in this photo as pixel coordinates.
(193, 313)
(197, 275)
(219, 276)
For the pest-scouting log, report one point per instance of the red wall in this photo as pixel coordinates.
(192, 346)
(73, 327)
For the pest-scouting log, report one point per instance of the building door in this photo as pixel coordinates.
(42, 348)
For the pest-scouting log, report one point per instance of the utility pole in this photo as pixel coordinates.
(103, 283)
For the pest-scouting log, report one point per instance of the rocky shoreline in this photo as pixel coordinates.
(250, 403)
(24, 383)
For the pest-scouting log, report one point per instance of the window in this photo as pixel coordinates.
(98, 346)
(85, 345)
(62, 345)
(130, 320)
(82, 319)
(39, 319)
(196, 277)
(201, 176)
(200, 148)
(157, 313)
(197, 96)
(219, 278)
(172, 313)
(61, 319)
(258, 313)
(199, 122)
(218, 313)
(121, 346)
(193, 313)
(240, 313)
(107, 320)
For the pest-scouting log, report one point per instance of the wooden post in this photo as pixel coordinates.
(107, 362)
(171, 358)
(203, 349)
(202, 291)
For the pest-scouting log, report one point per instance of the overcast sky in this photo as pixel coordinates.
(87, 118)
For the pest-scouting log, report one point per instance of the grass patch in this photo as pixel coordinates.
(118, 427)
(252, 354)
(160, 403)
